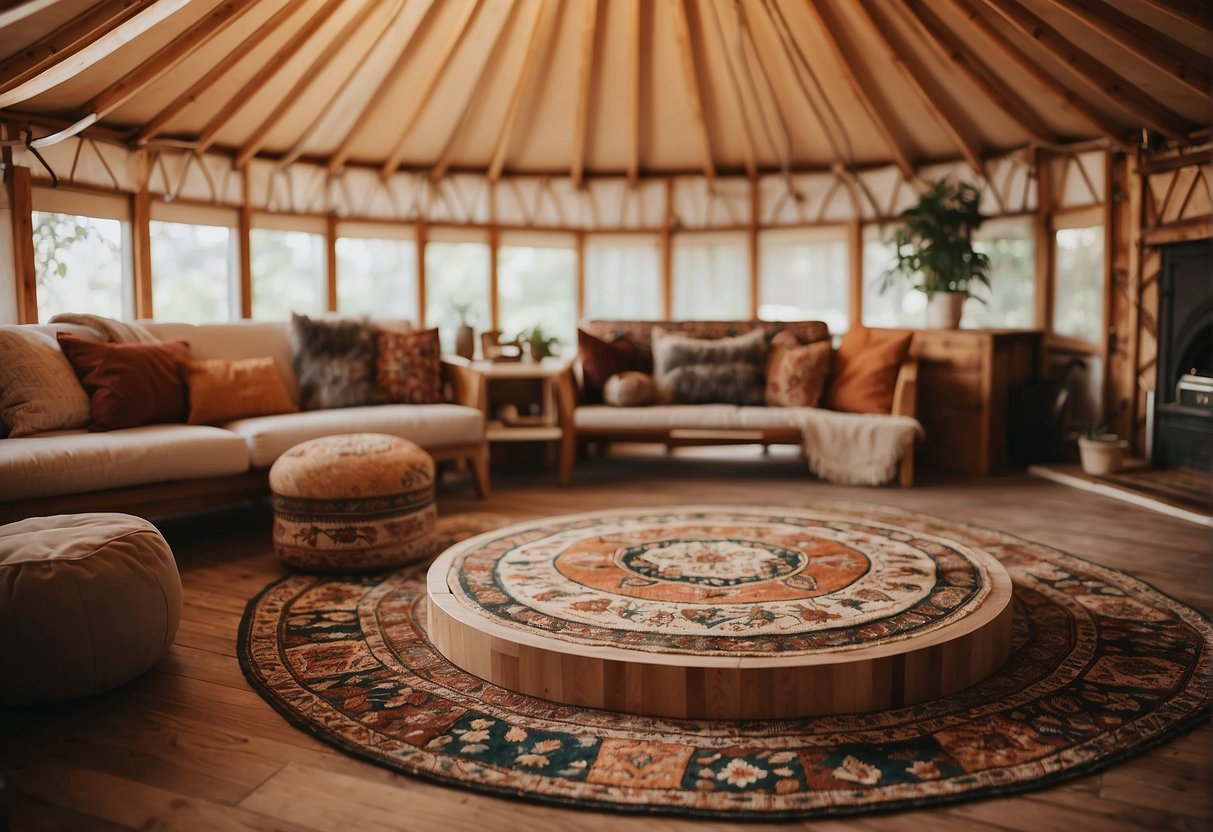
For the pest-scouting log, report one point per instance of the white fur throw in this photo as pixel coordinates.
(856, 448)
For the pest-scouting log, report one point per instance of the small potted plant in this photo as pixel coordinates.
(1100, 452)
(935, 250)
(538, 342)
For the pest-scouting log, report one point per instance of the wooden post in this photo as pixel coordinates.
(244, 230)
(580, 275)
(141, 242)
(1135, 183)
(19, 188)
(855, 258)
(667, 254)
(421, 238)
(1044, 243)
(1109, 242)
(494, 241)
(330, 260)
(752, 235)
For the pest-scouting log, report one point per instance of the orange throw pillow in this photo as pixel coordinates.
(224, 390)
(865, 371)
(796, 373)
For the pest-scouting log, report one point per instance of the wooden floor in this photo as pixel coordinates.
(190, 746)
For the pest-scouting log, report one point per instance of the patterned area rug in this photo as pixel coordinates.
(1102, 667)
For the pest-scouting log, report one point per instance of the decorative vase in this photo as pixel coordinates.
(1102, 455)
(944, 309)
(465, 341)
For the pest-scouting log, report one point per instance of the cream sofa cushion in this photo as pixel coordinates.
(429, 425)
(658, 417)
(87, 602)
(238, 339)
(38, 388)
(72, 462)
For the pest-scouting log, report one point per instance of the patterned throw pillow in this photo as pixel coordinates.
(699, 371)
(130, 384)
(796, 373)
(334, 362)
(38, 388)
(220, 390)
(410, 367)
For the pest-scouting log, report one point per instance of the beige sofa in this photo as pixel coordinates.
(698, 424)
(161, 469)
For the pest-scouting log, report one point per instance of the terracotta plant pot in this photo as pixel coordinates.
(1102, 455)
(944, 310)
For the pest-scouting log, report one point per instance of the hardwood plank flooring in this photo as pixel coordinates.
(190, 746)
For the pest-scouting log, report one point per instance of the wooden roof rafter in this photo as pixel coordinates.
(747, 147)
(547, 12)
(427, 87)
(452, 140)
(1177, 61)
(267, 71)
(19, 11)
(585, 78)
(261, 132)
(896, 145)
(158, 122)
(916, 78)
(746, 31)
(690, 76)
(1196, 13)
(634, 87)
(1100, 77)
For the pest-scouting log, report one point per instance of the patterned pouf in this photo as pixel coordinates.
(353, 503)
(87, 603)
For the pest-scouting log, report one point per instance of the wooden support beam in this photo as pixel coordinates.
(156, 124)
(932, 98)
(580, 249)
(106, 44)
(420, 96)
(67, 40)
(1181, 64)
(167, 57)
(1196, 13)
(257, 138)
(494, 295)
(244, 229)
(141, 241)
(1099, 77)
(690, 77)
(267, 71)
(547, 11)
(422, 237)
(747, 139)
(932, 29)
(19, 190)
(1043, 233)
(667, 253)
(585, 79)
(1108, 129)
(411, 25)
(755, 254)
(855, 259)
(18, 11)
(330, 261)
(826, 25)
(634, 57)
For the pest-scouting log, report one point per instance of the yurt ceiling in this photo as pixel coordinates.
(587, 88)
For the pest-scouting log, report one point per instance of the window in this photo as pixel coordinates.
(623, 276)
(537, 285)
(711, 277)
(456, 283)
(289, 271)
(1078, 282)
(804, 275)
(377, 272)
(1011, 298)
(82, 257)
(900, 305)
(195, 265)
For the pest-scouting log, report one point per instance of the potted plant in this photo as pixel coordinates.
(1099, 451)
(538, 342)
(935, 250)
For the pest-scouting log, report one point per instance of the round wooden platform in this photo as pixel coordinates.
(722, 612)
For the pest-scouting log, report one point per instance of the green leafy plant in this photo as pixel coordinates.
(1098, 432)
(935, 243)
(539, 342)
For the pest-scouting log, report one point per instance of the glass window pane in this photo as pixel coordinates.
(377, 278)
(900, 305)
(538, 287)
(192, 272)
(711, 277)
(456, 288)
(804, 277)
(623, 277)
(1011, 298)
(1078, 271)
(80, 265)
(288, 273)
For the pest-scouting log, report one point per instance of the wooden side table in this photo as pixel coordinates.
(518, 399)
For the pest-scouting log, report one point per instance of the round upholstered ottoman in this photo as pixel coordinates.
(87, 602)
(353, 503)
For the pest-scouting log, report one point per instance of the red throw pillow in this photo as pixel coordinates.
(409, 367)
(130, 384)
(602, 359)
(865, 370)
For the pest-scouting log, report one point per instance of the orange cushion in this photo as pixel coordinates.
(865, 371)
(224, 390)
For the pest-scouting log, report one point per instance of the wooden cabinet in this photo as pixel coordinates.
(965, 378)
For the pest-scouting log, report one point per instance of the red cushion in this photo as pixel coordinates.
(602, 359)
(130, 384)
(409, 367)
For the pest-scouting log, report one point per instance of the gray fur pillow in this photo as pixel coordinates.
(699, 371)
(335, 362)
